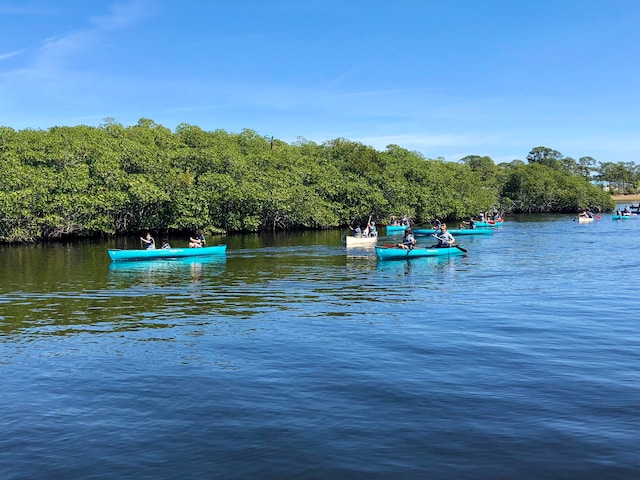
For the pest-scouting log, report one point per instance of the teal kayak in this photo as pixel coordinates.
(118, 255)
(490, 223)
(454, 232)
(396, 228)
(620, 217)
(397, 253)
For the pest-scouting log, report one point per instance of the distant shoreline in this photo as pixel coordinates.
(626, 198)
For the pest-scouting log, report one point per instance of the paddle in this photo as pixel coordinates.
(396, 245)
(393, 245)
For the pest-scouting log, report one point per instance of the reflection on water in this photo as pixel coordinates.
(168, 265)
(168, 273)
(427, 265)
(85, 297)
(369, 264)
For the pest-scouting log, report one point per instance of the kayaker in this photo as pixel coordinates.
(408, 240)
(148, 242)
(445, 239)
(471, 224)
(199, 240)
(357, 232)
(373, 232)
(165, 244)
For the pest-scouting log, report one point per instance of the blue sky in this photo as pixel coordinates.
(447, 78)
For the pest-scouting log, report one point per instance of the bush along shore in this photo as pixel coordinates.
(72, 182)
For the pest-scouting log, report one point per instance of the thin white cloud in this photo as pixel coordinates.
(54, 75)
(15, 53)
(56, 50)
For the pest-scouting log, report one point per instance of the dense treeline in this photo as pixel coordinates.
(89, 181)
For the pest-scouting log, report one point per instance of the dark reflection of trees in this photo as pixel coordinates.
(132, 296)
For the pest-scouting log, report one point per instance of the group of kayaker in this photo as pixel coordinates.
(149, 243)
(444, 237)
(625, 211)
(404, 221)
(493, 216)
(369, 231)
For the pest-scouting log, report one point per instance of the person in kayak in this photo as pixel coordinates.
(148, 242)
(408, 240)
(370, 230)
(199, 240)
(445, 239)
(357, 232)
(471, 224)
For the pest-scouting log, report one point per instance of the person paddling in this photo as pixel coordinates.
(408, 240)
(445, 239)
(357, 232)
(148, 242)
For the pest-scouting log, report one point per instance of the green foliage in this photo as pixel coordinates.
(85, 181)
(537, 188)
(546, 156)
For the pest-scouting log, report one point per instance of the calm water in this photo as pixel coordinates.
(295, 358)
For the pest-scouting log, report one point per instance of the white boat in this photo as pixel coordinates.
(360, 241)
(585, 219)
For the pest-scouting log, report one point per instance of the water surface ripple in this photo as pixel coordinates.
(294, 357)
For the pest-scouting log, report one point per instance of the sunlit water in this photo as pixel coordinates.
(293, 357)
